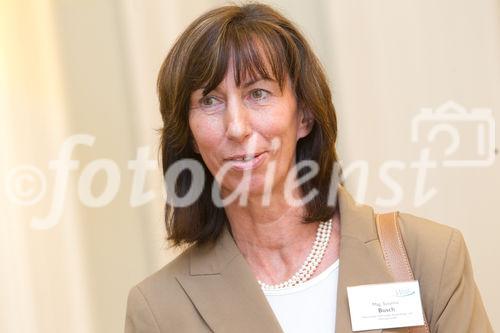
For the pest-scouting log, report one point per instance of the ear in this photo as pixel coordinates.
(305, 125)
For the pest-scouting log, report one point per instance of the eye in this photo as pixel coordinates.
(209, 101)
(259, 94)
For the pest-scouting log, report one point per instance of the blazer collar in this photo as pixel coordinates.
(224, 290)
(360, 258)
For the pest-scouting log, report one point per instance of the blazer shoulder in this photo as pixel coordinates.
(424, 231)
(434, 252)
(159, 301)
(427, 243)
(441, 263)
(166, 275)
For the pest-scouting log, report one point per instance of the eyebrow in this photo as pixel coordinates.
(249, 83)
(246, 84)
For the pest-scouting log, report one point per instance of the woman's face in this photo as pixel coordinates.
(247, 129)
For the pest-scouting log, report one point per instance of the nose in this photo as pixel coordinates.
(238, 127)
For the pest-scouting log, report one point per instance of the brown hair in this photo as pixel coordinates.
(199, 58)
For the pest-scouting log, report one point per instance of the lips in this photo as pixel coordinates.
(244, 157)
(246, 162)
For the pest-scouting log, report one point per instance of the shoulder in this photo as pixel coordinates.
(164, 282)
(166, 275)
(438, 256)
(441, 263)
(421, 234)
(430, 244)
(150, 301)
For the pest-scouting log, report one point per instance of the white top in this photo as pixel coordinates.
(310, 306)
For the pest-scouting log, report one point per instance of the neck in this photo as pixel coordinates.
(270, 227)
(273, 239)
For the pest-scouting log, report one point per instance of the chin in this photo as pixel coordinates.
(255, 186)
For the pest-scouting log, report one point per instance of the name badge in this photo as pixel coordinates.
(386, 305)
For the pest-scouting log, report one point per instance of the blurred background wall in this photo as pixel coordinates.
(77, 79)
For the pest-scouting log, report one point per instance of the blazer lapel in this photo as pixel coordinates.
(361, 260)
(224, 290)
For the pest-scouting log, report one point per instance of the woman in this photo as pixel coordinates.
(247, 110)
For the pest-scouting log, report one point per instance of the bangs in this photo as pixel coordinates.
(256, 52)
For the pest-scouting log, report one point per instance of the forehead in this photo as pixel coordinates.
(245, 78)
(246, 59)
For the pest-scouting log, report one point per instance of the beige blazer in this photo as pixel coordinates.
(212, 289)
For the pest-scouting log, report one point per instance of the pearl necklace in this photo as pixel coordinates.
(312, 261)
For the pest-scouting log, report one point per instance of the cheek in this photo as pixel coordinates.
(281, 124)
(206, 132)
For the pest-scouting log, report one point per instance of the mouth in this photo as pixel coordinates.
(246, 162)
(243, 157)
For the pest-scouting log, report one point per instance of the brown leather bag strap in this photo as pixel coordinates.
(395, 255)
